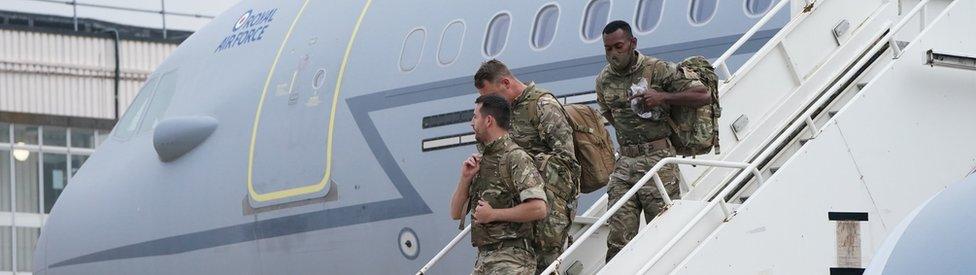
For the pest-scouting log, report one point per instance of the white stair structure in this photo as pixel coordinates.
(869, 130)
(845, 121)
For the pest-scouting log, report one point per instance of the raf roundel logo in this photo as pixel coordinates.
(248, 28)
(241, 21)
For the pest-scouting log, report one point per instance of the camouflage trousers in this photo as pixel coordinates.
(504, 260)
(552, 232)
(627, 171)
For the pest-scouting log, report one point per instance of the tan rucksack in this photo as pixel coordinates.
(594, 150)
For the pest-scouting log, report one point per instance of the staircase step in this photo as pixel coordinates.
(803, 141)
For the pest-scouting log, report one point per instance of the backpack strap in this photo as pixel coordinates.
(506, 171)
(534, 111)
(715, 112)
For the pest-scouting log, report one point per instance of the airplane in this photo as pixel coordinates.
(297, 137)
(928, 239)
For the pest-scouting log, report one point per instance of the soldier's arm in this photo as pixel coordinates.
(681, 90)
(528, 183)
(604, 108)
(527, 211)
(554, 129)
(695, 96)
(460, 198)
(677, 89)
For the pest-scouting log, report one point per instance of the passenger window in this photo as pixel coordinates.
(129, 123)
(758, 7)
(413, 47)
(449, 47)
(703, 10)
(497, 34)
(597, 16)
(649, 14)
(545, 26)
(160, 101)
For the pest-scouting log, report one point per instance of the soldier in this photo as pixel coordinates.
(505, 191)
(541, 128)
(643, 142)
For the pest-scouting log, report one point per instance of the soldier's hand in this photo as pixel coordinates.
(483, 213)
(470, 166)
(651, 98)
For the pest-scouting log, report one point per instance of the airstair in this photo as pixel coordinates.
(845, 121)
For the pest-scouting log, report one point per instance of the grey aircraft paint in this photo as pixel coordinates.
(936, 238)
(128, 212)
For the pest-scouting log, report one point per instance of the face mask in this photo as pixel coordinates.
(620, 62)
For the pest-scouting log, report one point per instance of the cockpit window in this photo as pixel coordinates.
(160, 102)
(149, 106)
(129, 123)
(703, 10)
(758, 7)
(597, 16)
(649, 14)
(545, 26)
(413, 47)
(497, 34)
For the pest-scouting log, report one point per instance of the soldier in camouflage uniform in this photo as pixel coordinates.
(541, 128)
(504, 190)
(643, 142)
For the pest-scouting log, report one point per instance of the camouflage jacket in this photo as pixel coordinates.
(542, 129)
(506, 178)
(613, 93)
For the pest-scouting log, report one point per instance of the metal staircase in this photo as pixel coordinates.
(646, 254)
(774, 107)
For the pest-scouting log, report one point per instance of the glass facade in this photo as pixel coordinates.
(76, 162)
(26, 239)
(36, 164)
(55, 136)
(5, 180)
(55, 178)
(6, 249)
(82, 138)
(26, 177)
(26, 134)
(4, 132)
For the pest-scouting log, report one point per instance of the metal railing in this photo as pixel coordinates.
(717, 201)
(920, 7)
(722, 67)
(804, 120)
(652, 174)
(445, 250)
(740, 179)
(162, 12)
(720, 64)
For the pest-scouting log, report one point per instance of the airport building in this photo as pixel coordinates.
(64, 82)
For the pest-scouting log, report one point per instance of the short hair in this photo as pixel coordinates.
(496, 107)
(618, 25)
(490, 71)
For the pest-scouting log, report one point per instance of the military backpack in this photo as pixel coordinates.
(591, 140)
(695, 129)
